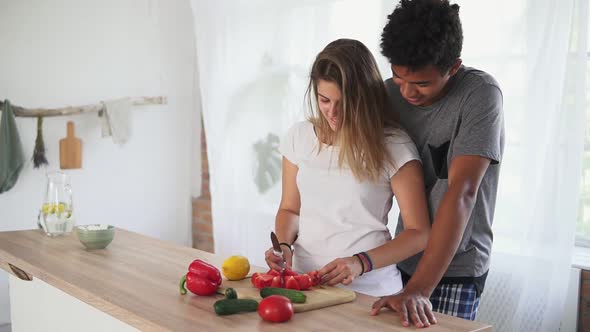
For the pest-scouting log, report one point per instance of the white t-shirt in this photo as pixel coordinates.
(340, 216)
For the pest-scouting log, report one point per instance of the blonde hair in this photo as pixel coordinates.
(365, 113)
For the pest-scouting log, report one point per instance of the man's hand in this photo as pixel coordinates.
(412, 305)
(341, 270)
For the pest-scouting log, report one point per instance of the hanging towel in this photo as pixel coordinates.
(115, 119)
(12, 158)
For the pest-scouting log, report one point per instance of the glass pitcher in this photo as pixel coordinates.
(56, 214)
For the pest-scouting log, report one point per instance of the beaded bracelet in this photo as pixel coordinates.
(362, 264)
(367, 260)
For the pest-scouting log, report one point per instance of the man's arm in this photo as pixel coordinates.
(449, 223)
(465, 175)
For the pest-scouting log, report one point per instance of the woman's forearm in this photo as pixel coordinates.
(286, 225)
(404, 245)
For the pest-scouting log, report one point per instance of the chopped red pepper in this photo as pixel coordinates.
(292, 283)
(290, 279)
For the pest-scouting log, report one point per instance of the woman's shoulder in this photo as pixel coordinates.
(302, 125)
(298, 141)
(397, 136)
(301, 130)
(400, 147)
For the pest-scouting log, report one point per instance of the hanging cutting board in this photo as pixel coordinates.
(70, 150)
(317, 297)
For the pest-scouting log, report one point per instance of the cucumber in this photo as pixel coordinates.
(231, 293)
(233, 306)
(294, 295)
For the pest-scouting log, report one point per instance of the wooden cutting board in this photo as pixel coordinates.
(317, 297)
(70, 150)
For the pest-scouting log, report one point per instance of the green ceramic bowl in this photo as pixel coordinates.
(95, 236)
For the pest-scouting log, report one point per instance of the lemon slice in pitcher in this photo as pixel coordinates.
(47, 208)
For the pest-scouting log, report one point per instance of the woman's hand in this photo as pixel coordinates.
(274, 261)
(341, 270)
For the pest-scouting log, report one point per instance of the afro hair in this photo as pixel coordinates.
(420, 33)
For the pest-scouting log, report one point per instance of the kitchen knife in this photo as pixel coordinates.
(276, 248)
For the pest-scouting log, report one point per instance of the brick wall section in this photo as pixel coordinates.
(202, 221)
(584, 304)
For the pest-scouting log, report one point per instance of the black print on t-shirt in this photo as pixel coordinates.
(438, 156)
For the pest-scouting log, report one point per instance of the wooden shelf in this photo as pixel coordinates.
(74, 110)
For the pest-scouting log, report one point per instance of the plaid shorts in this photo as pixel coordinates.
(459, 300)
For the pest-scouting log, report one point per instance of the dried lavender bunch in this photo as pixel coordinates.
(39, 158)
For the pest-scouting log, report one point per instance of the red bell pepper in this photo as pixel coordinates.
(202, 278)
(205, 270)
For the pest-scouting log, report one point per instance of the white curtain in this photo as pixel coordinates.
(254, 58)
(537, 50)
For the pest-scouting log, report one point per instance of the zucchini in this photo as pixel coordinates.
(294, 295)
(231, 293)
(233, 306)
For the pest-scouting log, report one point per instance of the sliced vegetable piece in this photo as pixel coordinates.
(291, 283)
(255, 276)
(276, 282)
(315, 277)
(304, 281)
(289, 272)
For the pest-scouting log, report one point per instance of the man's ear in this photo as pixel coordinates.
(455, 67)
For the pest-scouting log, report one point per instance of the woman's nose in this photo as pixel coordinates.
(333, 110)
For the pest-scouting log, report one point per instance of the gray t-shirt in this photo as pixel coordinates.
(468, 120)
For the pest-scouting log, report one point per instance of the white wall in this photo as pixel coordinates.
(68, 52)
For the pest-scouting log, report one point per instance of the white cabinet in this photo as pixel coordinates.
(38, 306)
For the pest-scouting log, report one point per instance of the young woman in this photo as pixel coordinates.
(341, 169)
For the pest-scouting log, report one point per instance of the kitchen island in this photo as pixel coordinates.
(58, 285)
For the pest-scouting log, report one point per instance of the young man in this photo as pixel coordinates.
(454, 115)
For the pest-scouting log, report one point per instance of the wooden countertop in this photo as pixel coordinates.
(136, 278)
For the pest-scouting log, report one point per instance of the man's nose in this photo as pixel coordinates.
(408, 90)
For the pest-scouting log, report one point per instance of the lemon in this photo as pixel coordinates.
(235, 267)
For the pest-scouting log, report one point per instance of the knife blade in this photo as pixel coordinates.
(276, 248)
